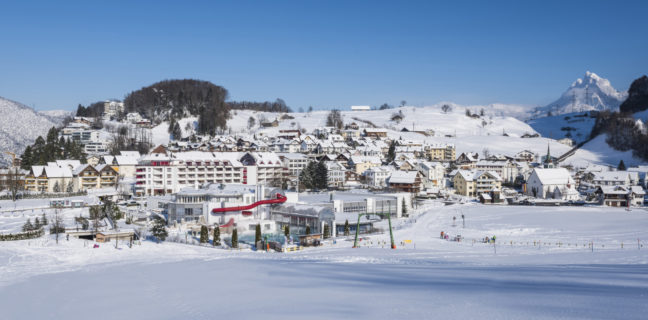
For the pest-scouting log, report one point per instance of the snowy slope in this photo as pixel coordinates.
(597, 151)
(20, 125)
(427, 279)
(576, 126)
(56, 115)
(589, 93)
(467, 134)
(415, 118)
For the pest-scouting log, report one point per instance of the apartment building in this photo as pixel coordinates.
(441, 152)
(473, 183)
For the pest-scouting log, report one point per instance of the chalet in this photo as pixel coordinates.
(405, 181)
(525, 155)
(616, 178)
(50, 178)
(467, 161)
(620, 196)
(107, 176)
(86, 177)
(375, 132)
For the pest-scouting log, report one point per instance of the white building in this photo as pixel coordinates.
(432, 173)
(164, 173)
(377, 176)
(616, 178)
(552, 183)
(293, 163)
(507, 169)
(360, 108)
(336, 174)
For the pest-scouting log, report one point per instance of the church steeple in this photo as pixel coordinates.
(548, 163)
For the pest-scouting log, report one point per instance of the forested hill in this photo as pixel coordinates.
(171, 99)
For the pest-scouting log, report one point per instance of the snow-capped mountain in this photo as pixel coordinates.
(20, 125)
(589, 93)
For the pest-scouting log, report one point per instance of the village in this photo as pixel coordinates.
(294, 186)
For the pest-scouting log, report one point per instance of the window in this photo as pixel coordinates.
(188, 211)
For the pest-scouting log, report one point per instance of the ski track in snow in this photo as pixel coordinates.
(429, 278)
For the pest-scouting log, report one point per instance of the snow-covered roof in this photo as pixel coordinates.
(58, 172)
(617, 176)
(427, 165)
(364, 159)
(471, 175)
(126, 160)
(403, 177)
(293, 156)
(80, 168)
(553, 175)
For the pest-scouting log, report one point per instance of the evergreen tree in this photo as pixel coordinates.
(204, 234)
(257, 234)
(27, 226)
(404, 207)
(321, 176)
(307, 230)
(37, 223)
(306, 176)
(26, 161)
(287, 231)
(391, 153)
(52, 136)
(327, 232)
(44, 220)
(235, 238)
(347, 230)
(57, 187)
(622, 166)
(216, 241)
(159, 229)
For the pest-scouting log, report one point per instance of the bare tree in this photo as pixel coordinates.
(95, 215)
(57, 225)
(14, 183)
(334, 119)
(251, 122)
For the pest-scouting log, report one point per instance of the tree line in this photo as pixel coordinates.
(623, 132)
(277, 106)
(51, 149)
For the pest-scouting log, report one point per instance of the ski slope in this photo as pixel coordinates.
(426, 279)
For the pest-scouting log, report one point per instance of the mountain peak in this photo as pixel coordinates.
(591, 92)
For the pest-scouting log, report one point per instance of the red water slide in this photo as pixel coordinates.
(280, 199)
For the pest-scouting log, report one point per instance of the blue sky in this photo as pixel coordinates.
(321, 53)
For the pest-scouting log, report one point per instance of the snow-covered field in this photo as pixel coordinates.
(559, 277)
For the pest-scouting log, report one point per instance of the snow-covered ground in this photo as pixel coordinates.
(414, 118)
(559, 277)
